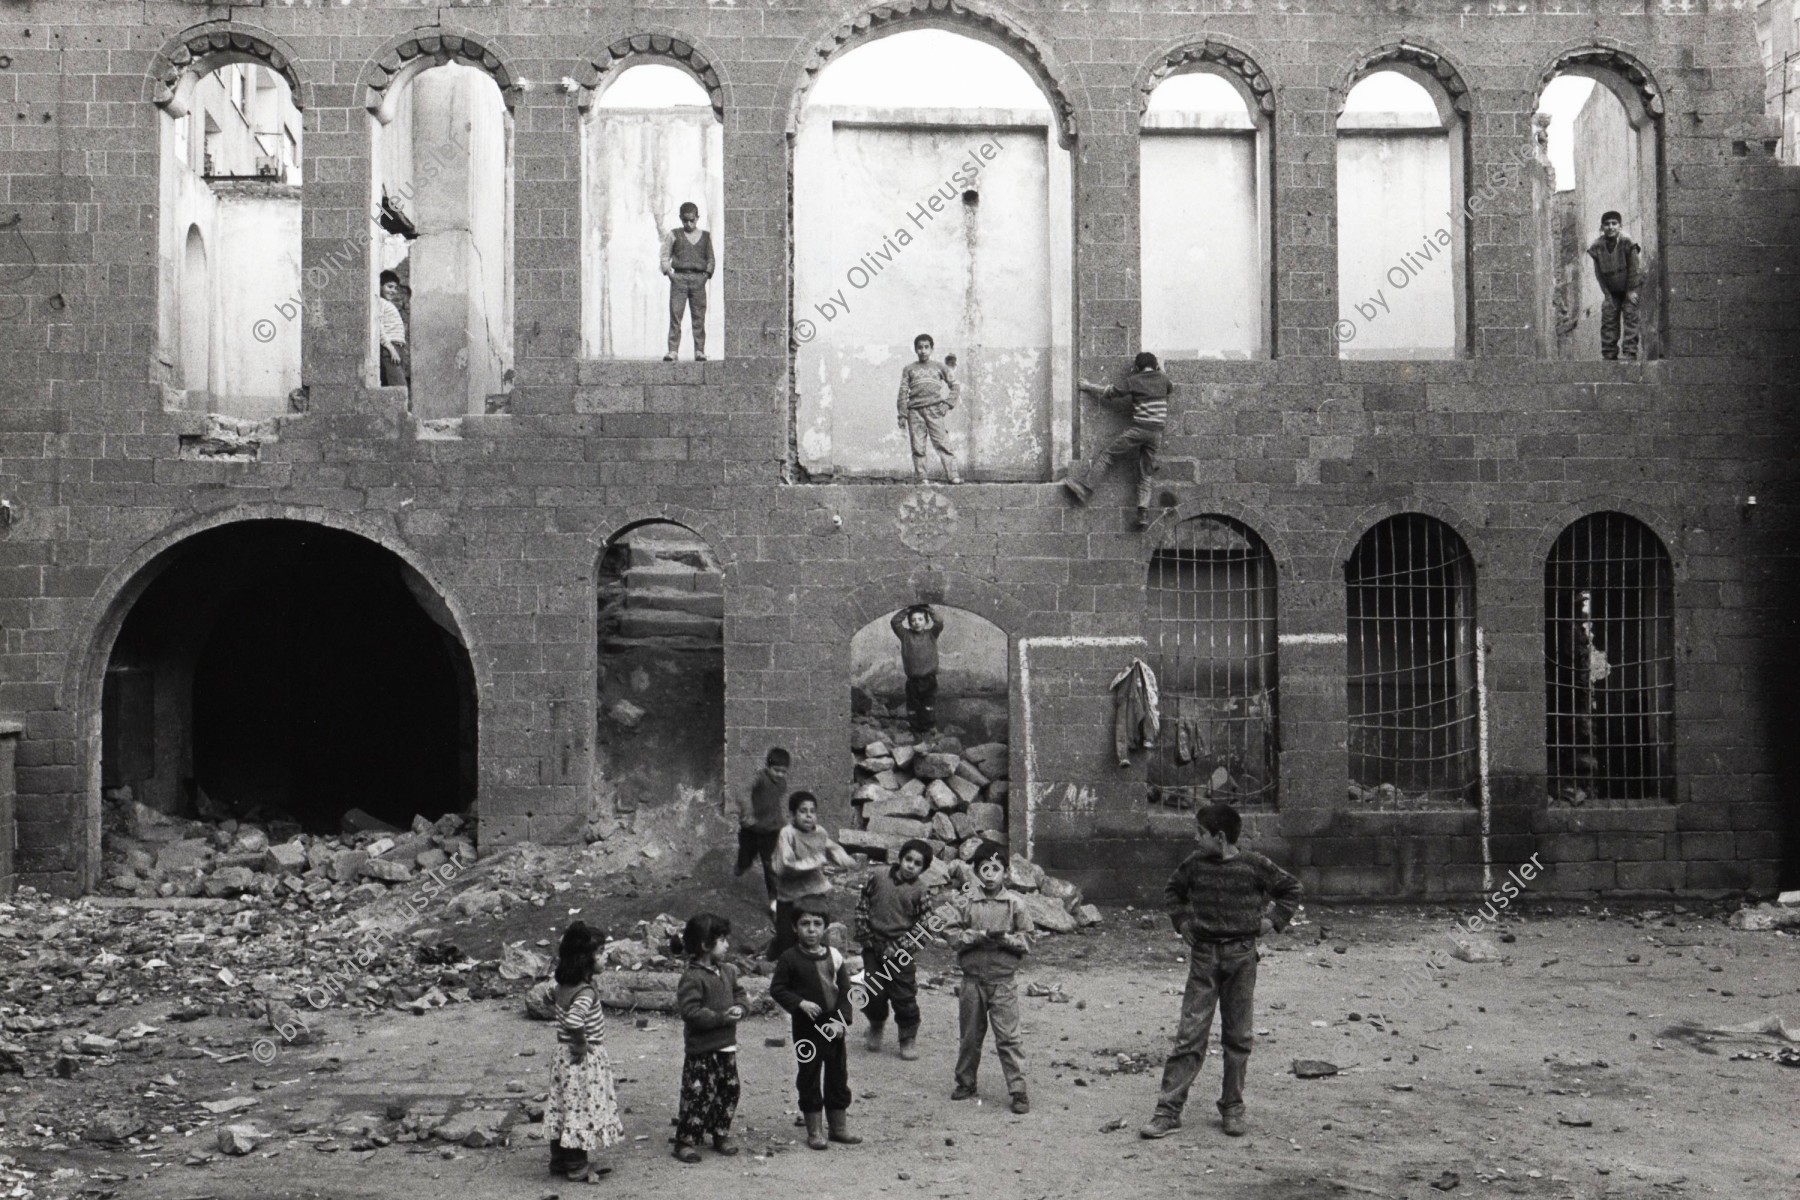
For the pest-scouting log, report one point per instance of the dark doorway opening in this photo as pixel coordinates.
(279, 671)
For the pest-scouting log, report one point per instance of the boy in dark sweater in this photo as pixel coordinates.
(988, 949)
(918, 629)
(760, 821)
(812, 982)
(1146, 395)
(687, 260)
(1218, 899)
(887, 922)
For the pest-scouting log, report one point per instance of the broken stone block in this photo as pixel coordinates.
(112, 1125)
(942, 829)
(460, 1128)
(969, 771)
(239, 1140)
(1087, 914)
(385, 870)
(1023, 875)
(250, 840)
(140, 862)
(935, 766)
(903, 755)
(867, 791)
(431, 860)
(379, 847)
(913, 787)
(421, 824)
(876, 750)
(346, 865)
(988, 817)
(889, 780)
(875, 766)
(459, 848)
(189, 854)
(969, 846)
(12, 1058)
(899, 827)
(876, 845)
(289, 858)
(230, 881)
(1060, 890)
(967, 792)
(936, 875)
(990, 758)
(916, 808)
(963, 824)
(447, 824)
(941, 797)
(998, 791)
(1046, 913)
(357, 821)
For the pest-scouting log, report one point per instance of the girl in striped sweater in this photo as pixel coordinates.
(582, 1115)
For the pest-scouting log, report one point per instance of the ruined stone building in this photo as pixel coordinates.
(1430, 587)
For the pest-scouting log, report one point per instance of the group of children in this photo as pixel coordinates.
(1220, 900)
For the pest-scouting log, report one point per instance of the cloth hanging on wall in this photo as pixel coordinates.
(1137, 712)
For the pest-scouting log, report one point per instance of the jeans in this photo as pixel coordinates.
(1612, 307)
(687, 289)
(1135, 440)
(890, 984)
(996, 1004)
(1221, 974)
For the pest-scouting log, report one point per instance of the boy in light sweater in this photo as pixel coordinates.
(803, 854)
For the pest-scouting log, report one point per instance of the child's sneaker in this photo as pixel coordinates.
(1232, 1120)
(687, 1153)
(963, 1092)
(1160, 1126)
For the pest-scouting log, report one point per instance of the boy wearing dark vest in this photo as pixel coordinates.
(1619, 269)
(687, 259)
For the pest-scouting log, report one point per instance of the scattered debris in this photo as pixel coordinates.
(1448, 1181)
(1762, 918)
(1314, 1068)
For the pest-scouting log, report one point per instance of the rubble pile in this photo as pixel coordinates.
(642, 971)
(952, 797)
(150, 854)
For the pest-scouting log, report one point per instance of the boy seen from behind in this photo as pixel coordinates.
(1219, 900)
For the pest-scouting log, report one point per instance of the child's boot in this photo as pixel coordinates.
(908, 1052)
(723, 1144)
(575, 1164)
(687, 1153)
(840, 1127)
(872, 1036)
(1232, 1120)
(815, 1132)
(559, 1158)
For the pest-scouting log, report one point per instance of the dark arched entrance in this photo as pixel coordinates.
(281, 671)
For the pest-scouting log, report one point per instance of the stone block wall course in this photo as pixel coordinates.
(508, 521)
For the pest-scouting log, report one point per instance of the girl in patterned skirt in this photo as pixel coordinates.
(711, 1002)
(582, 1116)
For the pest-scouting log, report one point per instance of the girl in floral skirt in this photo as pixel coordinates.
(582, 1116)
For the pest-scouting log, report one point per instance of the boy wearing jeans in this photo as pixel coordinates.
(1218, 899)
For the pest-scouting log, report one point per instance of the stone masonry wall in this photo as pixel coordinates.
(508, 521)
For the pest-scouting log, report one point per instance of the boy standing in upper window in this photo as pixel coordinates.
(928, 391)
(687, 259)
(1619, 267)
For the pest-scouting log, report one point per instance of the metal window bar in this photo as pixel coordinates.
(1609, 663)
(1410, 595)
(1211, 600)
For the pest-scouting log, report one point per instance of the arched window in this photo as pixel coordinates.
(443, 196)
(650, 144)
(931, 196)
(230, 229)
(1603, 147)
(1211, 598)
(1609, 662)
(1400, 236)
(1203, 214)
(1410, 598)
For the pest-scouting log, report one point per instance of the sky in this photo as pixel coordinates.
(930, 68)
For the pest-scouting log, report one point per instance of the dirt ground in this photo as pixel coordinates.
(1573, 1066)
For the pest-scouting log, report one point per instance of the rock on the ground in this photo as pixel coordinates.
(965, 791)
(471, 1127)
(238, 1140)
(112, 1125)
(188, 854)
(987, 816)
(935, 766)
(1023, 875)
(1046, 913)
(1086, 915)
(941, 797)
(289, 858)
(942, 828)
(385, 870)
(899, 827)
(990, 758)
(912, 808)
(231, 881)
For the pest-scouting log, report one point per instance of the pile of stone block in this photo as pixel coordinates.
(947, 795)
(162, 856)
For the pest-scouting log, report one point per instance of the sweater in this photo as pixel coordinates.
(701, 998)
(1620, 266)
(580, 1021)
(889, 908)
(1147, 392)
(1222, 899)
(800, 860)
(918, 647)
(764, 814)
(798, 976)
(680, 254)
(926, 383)
(1001, 917)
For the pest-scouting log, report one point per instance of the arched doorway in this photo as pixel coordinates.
(284, 673)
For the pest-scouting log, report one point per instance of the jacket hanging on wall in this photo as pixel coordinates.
(1136, 710)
